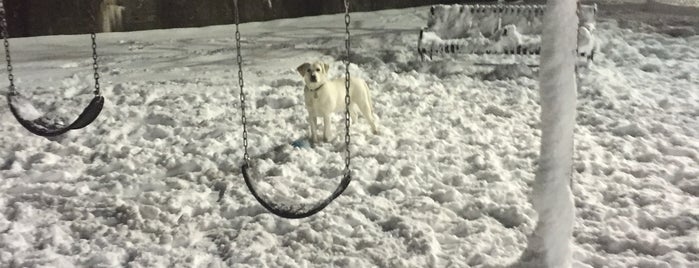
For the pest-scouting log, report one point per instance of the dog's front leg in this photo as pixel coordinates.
(313, 123)
(326, 128)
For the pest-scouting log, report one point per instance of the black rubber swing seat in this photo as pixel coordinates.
(299, 211)
(41, 125)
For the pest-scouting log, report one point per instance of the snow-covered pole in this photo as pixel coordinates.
(550, 244)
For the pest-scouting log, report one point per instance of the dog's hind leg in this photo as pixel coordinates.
(365, 107)
(372, 121)
(353, 112)
(368, 110)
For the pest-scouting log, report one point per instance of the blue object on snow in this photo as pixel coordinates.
(301, 143)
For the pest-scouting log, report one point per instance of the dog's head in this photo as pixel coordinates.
(314, 74)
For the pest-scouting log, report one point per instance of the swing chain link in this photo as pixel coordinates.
(241, 83)
(6, 43)
(5, 35)
(347, 90)
(95, 64)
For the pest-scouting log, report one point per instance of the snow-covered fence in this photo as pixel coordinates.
(495, 29)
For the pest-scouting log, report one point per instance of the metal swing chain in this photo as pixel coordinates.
(95, 65)
(347, 91)
(241, 83)
(5, 35)
(8, 58)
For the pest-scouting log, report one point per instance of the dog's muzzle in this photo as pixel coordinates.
(314, 78)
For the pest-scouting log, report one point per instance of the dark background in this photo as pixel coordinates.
(50, 17)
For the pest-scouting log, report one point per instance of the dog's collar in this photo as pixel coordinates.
(314, 90)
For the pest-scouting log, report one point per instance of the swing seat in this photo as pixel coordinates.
(295, 211)
(42, 124)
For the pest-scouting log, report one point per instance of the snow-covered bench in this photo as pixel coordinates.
(496, 29)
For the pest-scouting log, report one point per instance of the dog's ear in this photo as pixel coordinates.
(326, 67)
(302, 68)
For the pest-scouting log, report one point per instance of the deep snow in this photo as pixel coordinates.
(446, 184)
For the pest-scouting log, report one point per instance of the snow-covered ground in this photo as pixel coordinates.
(446, 183)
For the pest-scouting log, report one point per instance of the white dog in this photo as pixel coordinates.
(324, 97)
(587, 44)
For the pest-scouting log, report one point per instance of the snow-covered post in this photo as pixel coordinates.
(112, 18)
(550, 244)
